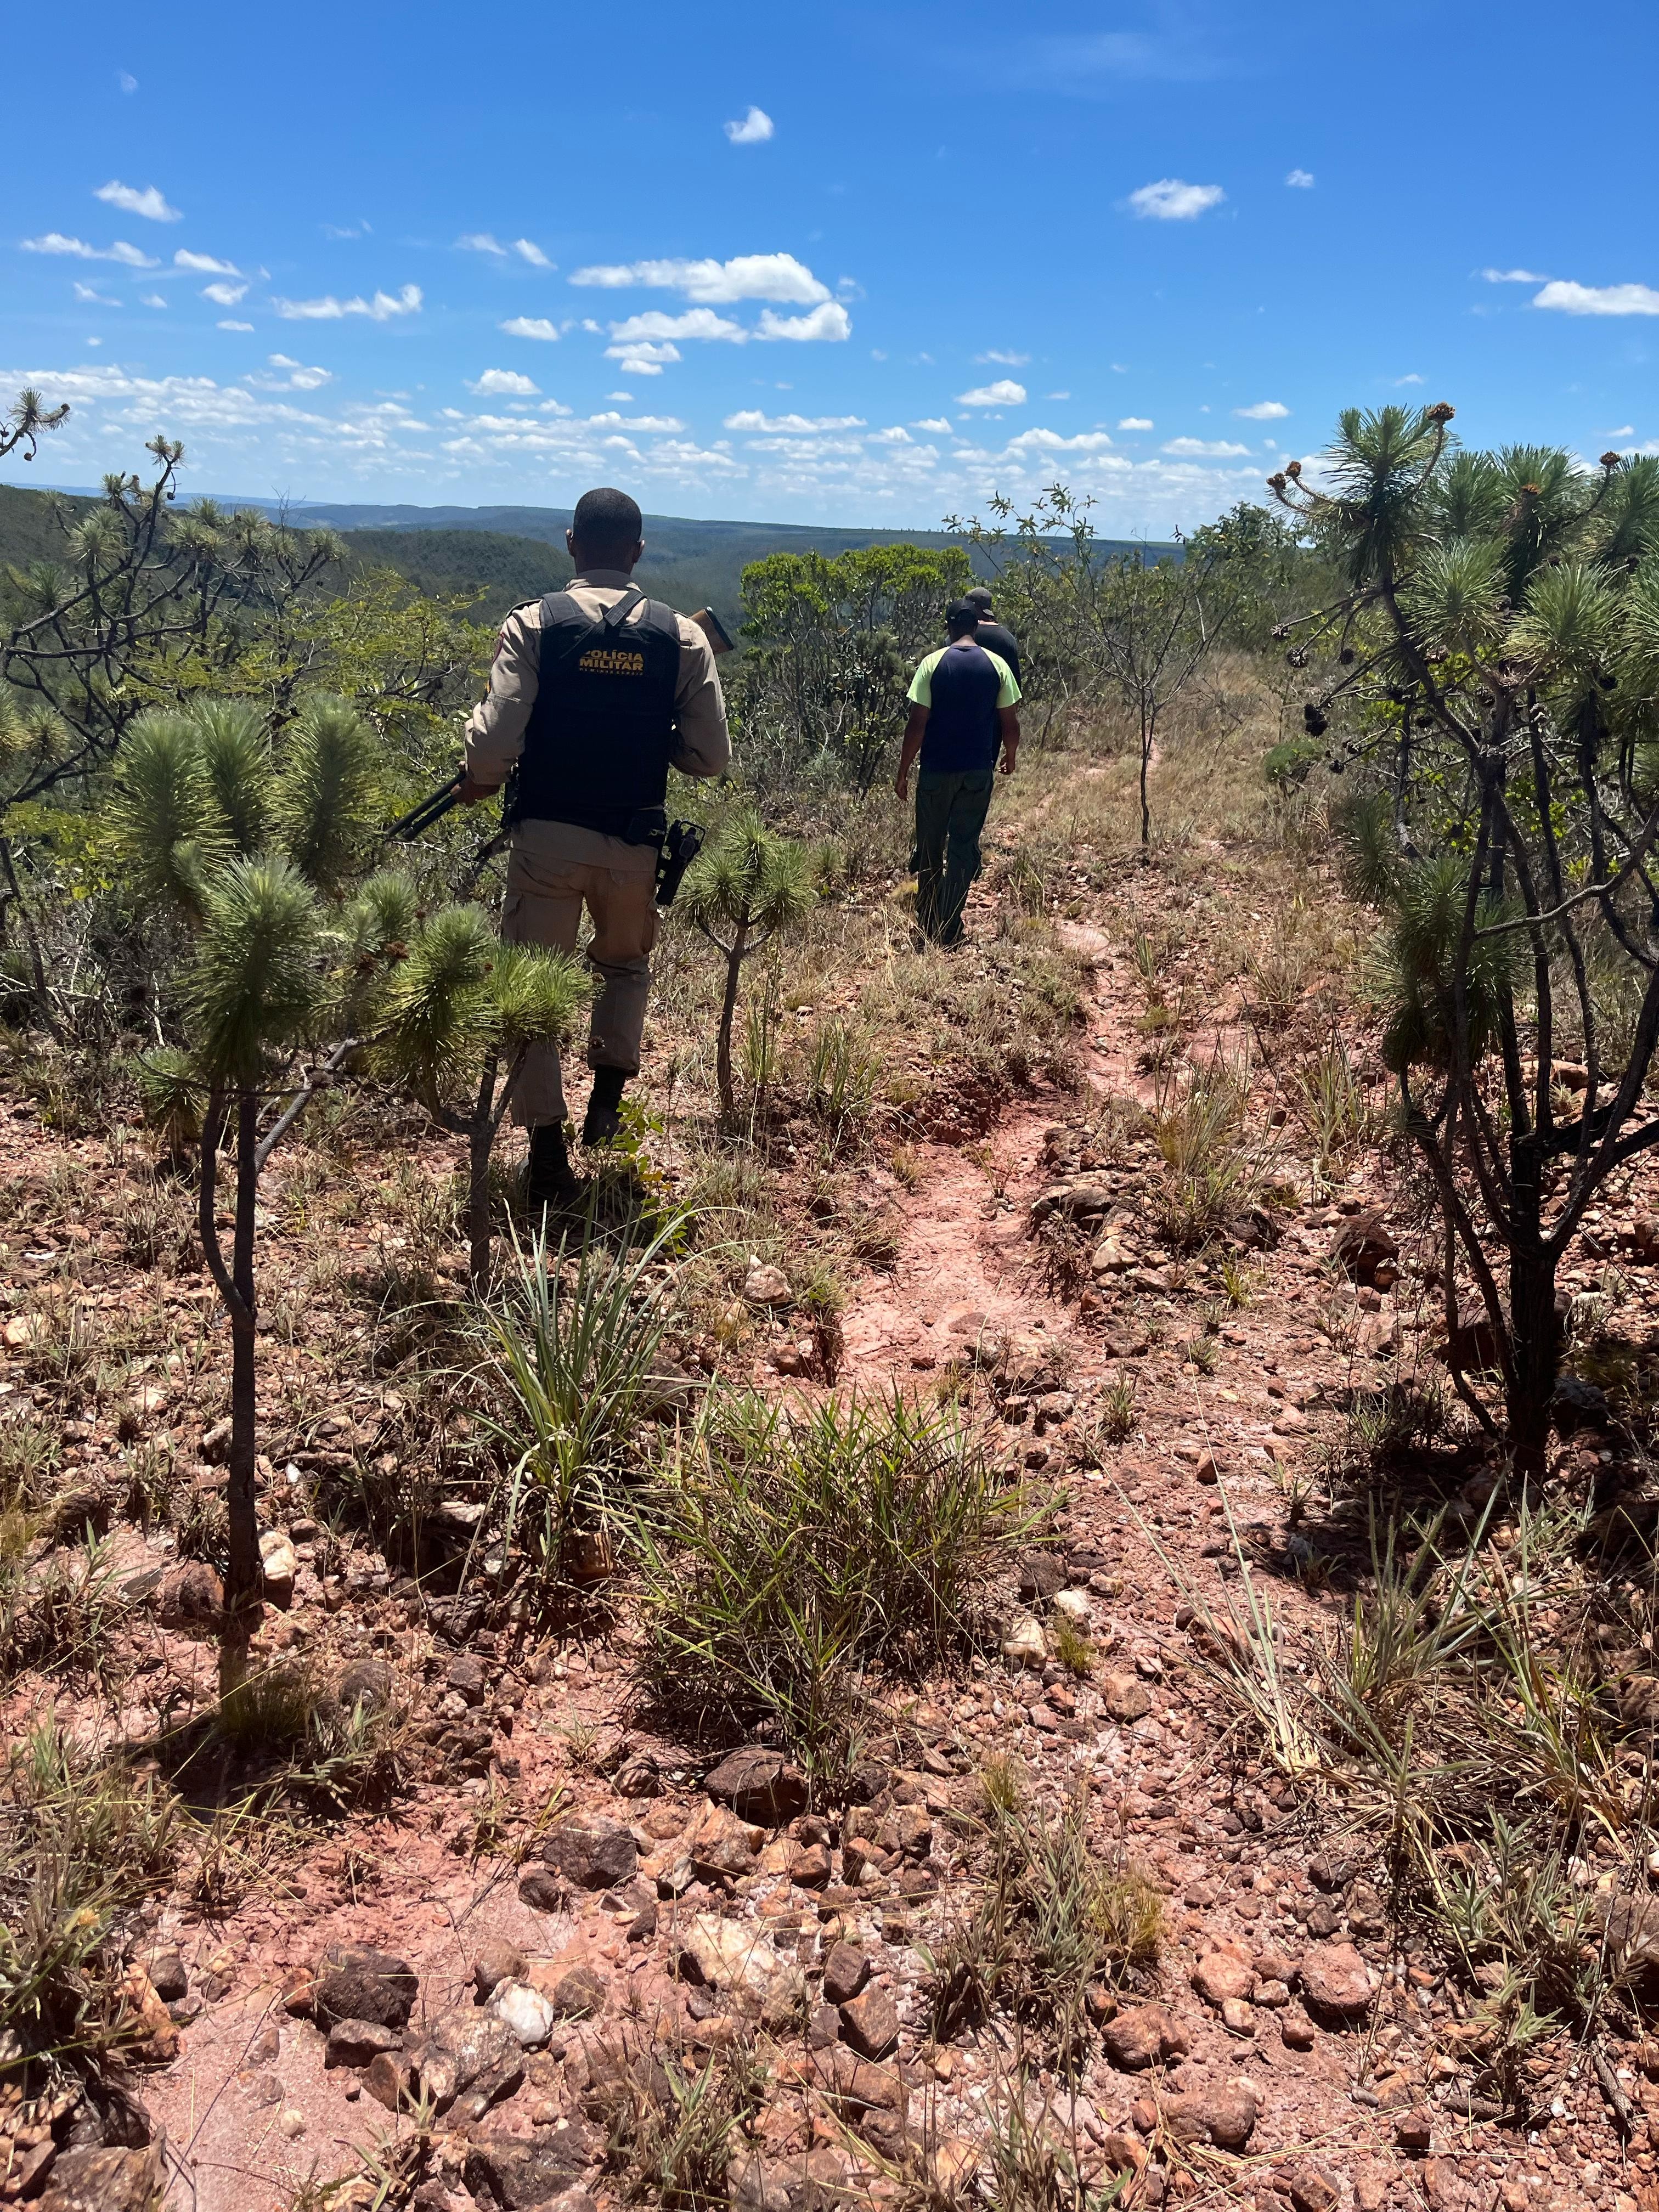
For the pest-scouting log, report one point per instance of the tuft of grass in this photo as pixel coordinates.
(1058, 1914)
(843, 1069)
(790, 1552)
(81, 1846)
(1071, 1645)
(674, 2135)
(1213, 1173)
(576, 1340)
(1331, 1100)
(1117, 1412)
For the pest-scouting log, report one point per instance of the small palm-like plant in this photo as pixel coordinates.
(747, 889)
(246, 850)
(461, 1013)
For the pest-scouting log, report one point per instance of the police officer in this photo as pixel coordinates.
(596, 692)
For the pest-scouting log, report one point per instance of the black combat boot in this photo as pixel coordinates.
(603, 1123)
(551, 1181)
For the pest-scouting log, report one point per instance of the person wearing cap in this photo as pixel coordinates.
(995, 636)
(595, 693)
(964, 708)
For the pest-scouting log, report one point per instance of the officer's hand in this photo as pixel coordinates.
(1007, 760)
(902, 784)
(471, 791)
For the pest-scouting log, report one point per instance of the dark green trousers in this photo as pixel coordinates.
(951, 811)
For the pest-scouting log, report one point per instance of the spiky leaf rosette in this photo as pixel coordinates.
(437, 1007)
(235, 758)
(255, 983)
(536, 994)
(1419, 959)
(750, 877)
(1454, 602)
(461, 992)
(163, 823)
(325, 795)
(383, 915)
(170, 1092)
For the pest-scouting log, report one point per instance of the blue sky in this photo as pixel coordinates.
(850, 264)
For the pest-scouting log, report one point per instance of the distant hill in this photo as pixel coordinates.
(506, 553)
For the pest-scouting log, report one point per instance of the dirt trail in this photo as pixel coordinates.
(964, 1267)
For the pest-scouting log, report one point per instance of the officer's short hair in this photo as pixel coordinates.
(960, 617)
(608, 521)
(981, 599)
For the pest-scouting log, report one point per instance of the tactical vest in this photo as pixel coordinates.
(597, 744)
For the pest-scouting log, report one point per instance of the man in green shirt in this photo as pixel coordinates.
(963, 707)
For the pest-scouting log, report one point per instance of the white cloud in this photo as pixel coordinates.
(1600, 299)
(203, 264)
(1513, 276)
(777, 276)
(149, 203)
(127, 81)
(226, 325)
(894, 434)
(1265, 411)
(380, 309)
(829, 322)
(527, 250)
(299, 378)
(1050, 441)
(750, 419)
(1137, 422)
(90, 296)
(531, 326)
(501, 382)
(152, 300)
(695, 323)
(1004, 359)
(1173, 200)
(480, 242)
(1206, 448)
(1057, 395)
(1300, 180)
(940, 424)
(756, 128)
(1413, 378)
(1624, 430)
(1005, 393)
(55, 242)
(643, 357)
(224, 296)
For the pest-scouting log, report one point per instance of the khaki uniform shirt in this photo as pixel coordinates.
(495, 734)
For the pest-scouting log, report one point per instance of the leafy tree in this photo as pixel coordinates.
(1094, 624)
(459, 1016)
(1492, 661)
(251, 853)
(831, 646)
(747, 888)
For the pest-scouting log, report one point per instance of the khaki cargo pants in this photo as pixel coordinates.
(555, 869)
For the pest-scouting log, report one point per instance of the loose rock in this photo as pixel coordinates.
(869, 2023)
(354, 1982)
(1336, 1980)
(760, 1786)
(1223, 2113)
(1142, 2036)
(527, 2011)
(591, 1853)
(104, 2181)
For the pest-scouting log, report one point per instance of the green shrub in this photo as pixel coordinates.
(790, 1552)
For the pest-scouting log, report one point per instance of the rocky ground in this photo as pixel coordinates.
(564, 1959)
